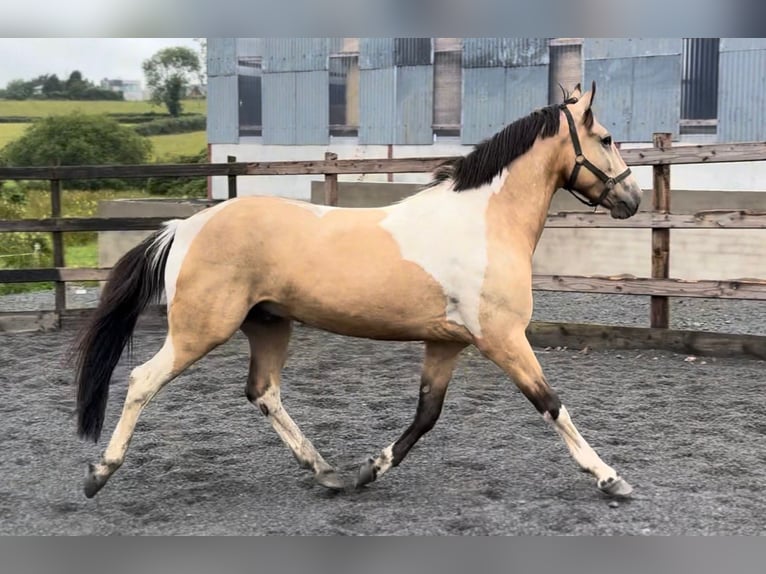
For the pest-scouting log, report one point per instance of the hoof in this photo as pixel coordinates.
(330, 479)
(616, 487)
(93, 483)
(367, 473)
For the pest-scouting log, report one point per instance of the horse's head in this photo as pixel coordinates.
(593, 165)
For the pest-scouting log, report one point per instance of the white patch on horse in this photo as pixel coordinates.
(185, 232)
(445, 233)
(385, 460)
(579, 448)
(288, 431)
(145, 382)
(315, 208)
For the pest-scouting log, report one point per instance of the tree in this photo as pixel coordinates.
(78, 139)
(52, 85)
(18, 90)
(75, 85)
(168, 73)
(202, 75)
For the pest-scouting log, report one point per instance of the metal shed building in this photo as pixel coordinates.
(295, 98)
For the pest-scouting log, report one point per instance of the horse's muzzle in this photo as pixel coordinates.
(623, 210)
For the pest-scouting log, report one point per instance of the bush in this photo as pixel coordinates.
(89, 94)
(181, 186)
(79, 139)
(17, 247)
(16, 119)
(12, 199)
(138, 118)
(180, 125)
(100, 94)
(24, 244)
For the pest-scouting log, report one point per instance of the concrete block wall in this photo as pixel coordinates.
(114, 244)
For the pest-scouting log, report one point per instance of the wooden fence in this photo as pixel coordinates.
(660, 220)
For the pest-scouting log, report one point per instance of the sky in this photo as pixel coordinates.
(96, 58)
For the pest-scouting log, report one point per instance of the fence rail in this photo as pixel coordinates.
(654, 156)
(62, 224)
(708, 219)
(660, 220)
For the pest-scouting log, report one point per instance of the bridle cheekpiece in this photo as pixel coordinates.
(581, 161)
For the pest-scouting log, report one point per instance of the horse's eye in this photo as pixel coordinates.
(607, 141)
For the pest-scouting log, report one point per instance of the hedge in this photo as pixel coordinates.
(172, 126)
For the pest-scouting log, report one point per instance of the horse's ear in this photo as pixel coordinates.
(587, 100)
(572, 97)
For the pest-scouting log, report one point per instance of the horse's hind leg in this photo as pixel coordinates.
(193, 332)
(269, 337)
(145, 382)
(438, 365)
(515, 356)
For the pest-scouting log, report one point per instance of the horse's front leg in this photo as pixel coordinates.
(513, 353)
(438, 365)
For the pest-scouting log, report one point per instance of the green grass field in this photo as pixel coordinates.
(81, 249)
(81, 255)
(164, 147)
(9, 132)
(167, 147)
(42, 108)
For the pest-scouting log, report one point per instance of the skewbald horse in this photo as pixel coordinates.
(450, 266)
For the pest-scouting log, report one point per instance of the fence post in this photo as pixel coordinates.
(330, 182)
(660, 308)
(232, 179)
(58, 246)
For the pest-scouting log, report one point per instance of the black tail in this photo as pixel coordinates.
(134, 282)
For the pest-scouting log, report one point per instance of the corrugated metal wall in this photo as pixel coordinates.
(279, 109)
(504, 52)
(611, 48)
(249, 47)
(295, 54)
(395, 101)
(742, 90)
(483, 103)
(376, 53)
(222, 91)
(296, 89)
(377, 104)
(312, 107)
(503, 80)
(699, 82)
(414, 104)
(377, 91)
(641, 85)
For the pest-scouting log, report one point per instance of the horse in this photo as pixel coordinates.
(450, 266)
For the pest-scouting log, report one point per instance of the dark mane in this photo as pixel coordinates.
(493, 154)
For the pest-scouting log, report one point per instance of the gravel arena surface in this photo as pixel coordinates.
(687, 434)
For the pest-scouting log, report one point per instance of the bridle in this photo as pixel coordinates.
(582, 161)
